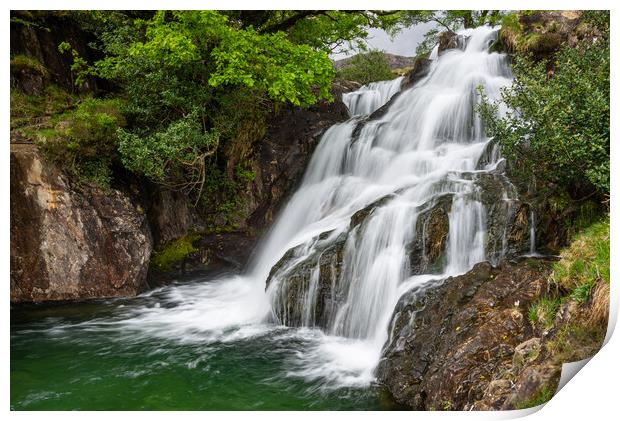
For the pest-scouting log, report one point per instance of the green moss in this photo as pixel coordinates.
(542, 396)
(174, 252)
(32, 112)
(541, 39)
(29, 64)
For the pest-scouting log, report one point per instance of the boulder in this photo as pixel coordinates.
(542, 33)
(449, 339)
(70, 243)
(308, 293)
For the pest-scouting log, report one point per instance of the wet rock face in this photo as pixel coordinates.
(427, 252)
(420, 69)
(310, 293)
(68, 244)
(450, 338)
(170, 216)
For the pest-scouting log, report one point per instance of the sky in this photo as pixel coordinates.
(404, 44)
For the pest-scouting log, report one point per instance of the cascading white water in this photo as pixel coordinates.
(427, 145)
(417, 150)
(371, 97)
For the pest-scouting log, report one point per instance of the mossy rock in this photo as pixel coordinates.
(174, 252)
(28, 75)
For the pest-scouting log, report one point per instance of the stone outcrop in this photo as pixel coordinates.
(316, 279)
(450, 338)
(447, 40)
(69, 243)
(542, 33)
(420, 69)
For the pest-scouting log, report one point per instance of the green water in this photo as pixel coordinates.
(62, 360)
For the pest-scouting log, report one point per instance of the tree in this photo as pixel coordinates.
(196, 80)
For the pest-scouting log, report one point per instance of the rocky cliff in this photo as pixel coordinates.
(71, 243)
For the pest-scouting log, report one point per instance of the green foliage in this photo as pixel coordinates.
(174, 252)
(79, 66)
(174, 156)
(366, 68)
(196, 80)
(84, 141)
(557, 126)
(270, 63)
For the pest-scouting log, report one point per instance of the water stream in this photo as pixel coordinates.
(221, 342)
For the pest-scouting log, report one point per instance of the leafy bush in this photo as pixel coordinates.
(557, 126)
(366, 68)
(195, 80)
(174, 157)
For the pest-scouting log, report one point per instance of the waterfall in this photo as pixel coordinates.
(339, 255)
(434, 53)
(428, 144)
(371, 97)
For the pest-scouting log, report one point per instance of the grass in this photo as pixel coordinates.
(32, 113)
(584, 262)
(542, 312)
(575, 341)
(544, 395)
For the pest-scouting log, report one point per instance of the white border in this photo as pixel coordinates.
(591, 394)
